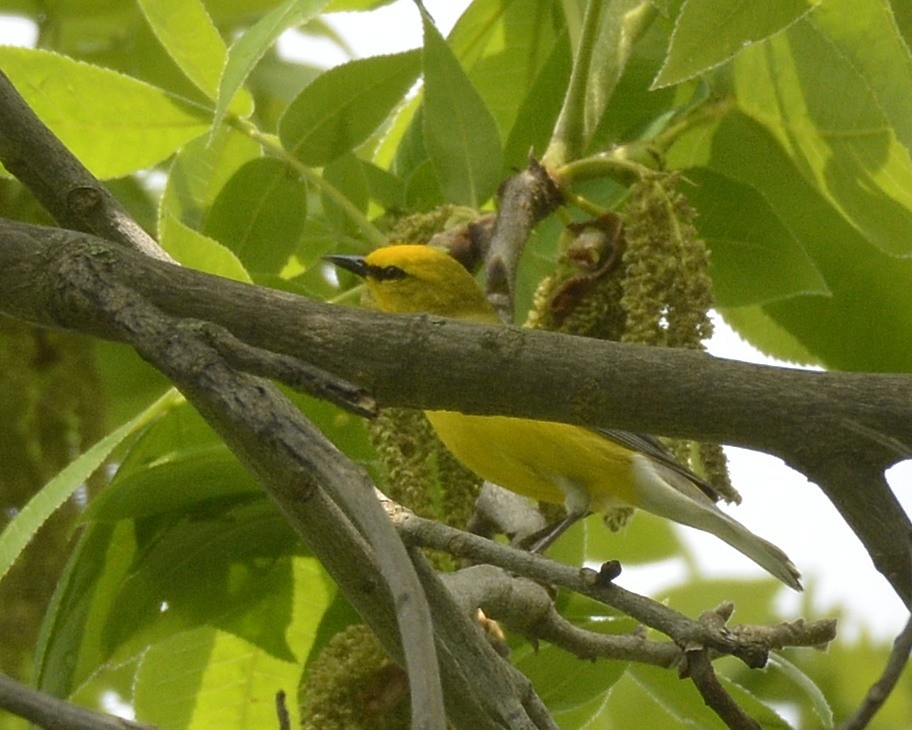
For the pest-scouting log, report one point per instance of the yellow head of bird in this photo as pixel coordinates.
(412, 278)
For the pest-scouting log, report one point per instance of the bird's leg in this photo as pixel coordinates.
(542, 540)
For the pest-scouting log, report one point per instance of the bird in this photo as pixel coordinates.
(585, 469)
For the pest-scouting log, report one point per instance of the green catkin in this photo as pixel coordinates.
(420, 473)
(353, 685)
(668, 293)
(647, 284)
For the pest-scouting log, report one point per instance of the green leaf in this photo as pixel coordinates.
(646, 539)
(503, 47)
(608, 34)
(886, 66)
(205, 678)
(563, 681)
(343, 106)
(200, 170)
(222, 562)
(196, 251)
(754, 257)
(22, 528)
(337, 6)
(346, 175)
(867, 320)
(649, 696)
(540, 108)
(185, 30)
(247, 50)
(259, 214)
(114, 124)
(459, 132)
(807, 685)
(847, 147)
(767, 335)
(708, 33)
(753, 599)
(70, 648)
(162, 487)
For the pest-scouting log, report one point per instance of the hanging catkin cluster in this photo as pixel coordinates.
(420, 473)
(640, 276)
(352, 685)
(667, 291)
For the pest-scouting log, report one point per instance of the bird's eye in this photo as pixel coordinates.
(387, 273)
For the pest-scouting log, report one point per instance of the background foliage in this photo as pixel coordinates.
(183, 593)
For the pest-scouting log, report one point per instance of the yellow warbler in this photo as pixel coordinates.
(585, 469)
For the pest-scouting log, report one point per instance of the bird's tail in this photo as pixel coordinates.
(761, 551)
(668, 494)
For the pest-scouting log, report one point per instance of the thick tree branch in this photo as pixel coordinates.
(76, 199)
(842, 430)
(66, 189)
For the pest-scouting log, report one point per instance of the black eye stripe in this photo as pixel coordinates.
(386, 273)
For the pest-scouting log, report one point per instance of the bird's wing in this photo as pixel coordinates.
(656, 450)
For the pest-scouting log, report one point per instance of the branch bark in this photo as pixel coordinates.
(60, 182)
(52, 713)
(842, 430)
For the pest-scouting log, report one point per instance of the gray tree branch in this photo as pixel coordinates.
(842, 430)
(54, 714)
(76, 199)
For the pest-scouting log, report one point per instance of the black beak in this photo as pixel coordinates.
(355, 264)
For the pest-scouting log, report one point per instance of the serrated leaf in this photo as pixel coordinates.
(196, 251)
(347, 176)
(754, 257)
(563, 681)
(886, 65)
(768, 336)
(70, 647)
(20, 530)
(199, 171)
(540, 107)
(205, 678)
(114, 124)
(247, 50)
(846, 146)
(221, 563)
(459, 131)
(259, 214)
(867, 319)
(709, 32)
(343, 106)
(184, 29)
(162, 487)
(503, 46)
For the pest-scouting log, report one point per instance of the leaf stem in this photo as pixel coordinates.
(270, 143)
(610, 31)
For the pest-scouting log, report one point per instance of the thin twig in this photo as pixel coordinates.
(56, 714)
(701, 672)
(882, 688)
(741, 642)
(524, 199)
(282, 711)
